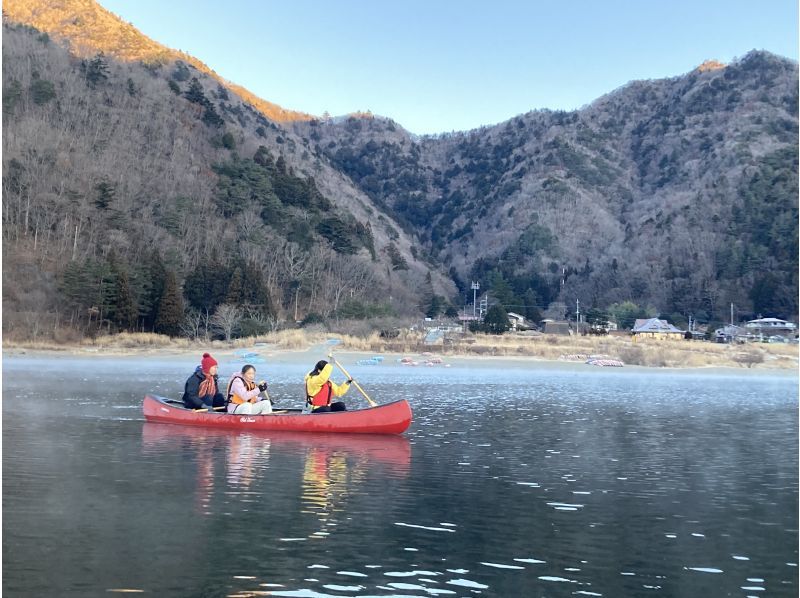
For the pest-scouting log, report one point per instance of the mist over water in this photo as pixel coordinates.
(512, 481)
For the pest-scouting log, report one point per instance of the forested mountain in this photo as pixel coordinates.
(143, 191)
(134, 192)
(679, 193)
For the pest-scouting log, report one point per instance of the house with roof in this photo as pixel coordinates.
(517, 320)
(767, 327)
(655, 328)
(730, 333)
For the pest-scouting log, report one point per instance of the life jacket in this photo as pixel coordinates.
(323, 397)
(236, 399)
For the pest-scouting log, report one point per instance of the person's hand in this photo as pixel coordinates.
(350, 381)
(262, 387)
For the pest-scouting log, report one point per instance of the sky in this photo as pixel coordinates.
(453, 65)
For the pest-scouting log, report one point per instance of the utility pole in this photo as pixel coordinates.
(731, 314)
(474, 286)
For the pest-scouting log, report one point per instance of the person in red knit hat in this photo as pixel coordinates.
(202, 388)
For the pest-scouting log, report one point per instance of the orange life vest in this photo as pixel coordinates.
(236, 399)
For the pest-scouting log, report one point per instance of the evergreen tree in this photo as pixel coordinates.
(597, 318)
(126, 313)
(435, 306)
(398, 261)
(195, 93)
(105, 194)
(501, 290)
(235, 293)
(425, 294)
(170, 310)
(96, 70)
(42, 91)
(256, 292)
(531, 310)
(496, 320)
(211, 117)
(228, 141)
(206, 286)
(149, 278)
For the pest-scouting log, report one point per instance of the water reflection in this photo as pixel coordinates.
(333, 464)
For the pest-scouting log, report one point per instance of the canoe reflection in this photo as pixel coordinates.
(333, 463)
(391, 450)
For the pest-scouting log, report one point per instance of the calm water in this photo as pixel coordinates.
(517, 482)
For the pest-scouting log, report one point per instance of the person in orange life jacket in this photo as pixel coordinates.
(201, 390)
(320, 390)
(243, 394)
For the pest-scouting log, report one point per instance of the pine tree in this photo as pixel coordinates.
(235, 293)
(96, 70)
(256, 292)
(195, 93)
(105, 194)
(496, 320)
(425, 293)
(126, 313)
(149, 279)
(211, 117)
(170, 310)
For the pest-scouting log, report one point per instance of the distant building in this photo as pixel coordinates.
(655, 328)
(729, 334)
(517, 321)
(556, 327)
(766, 327)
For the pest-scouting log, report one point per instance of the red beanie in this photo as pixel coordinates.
(207, 362)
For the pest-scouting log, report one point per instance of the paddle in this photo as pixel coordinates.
(344, 371)
(207, 409)
(269, 398)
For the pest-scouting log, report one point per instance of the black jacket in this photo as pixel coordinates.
(191, 391)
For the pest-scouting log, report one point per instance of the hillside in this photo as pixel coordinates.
(679, 193)
(135, 190)
(138, 183)
(87, 28)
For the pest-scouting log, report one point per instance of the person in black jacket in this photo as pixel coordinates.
(202, 390)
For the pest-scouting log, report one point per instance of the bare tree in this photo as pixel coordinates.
(195, 324)
(296, 262)
(227, 320)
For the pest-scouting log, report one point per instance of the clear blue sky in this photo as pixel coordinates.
(458, 64)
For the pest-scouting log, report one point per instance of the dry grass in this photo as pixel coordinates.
(136, 340)
(651, 353)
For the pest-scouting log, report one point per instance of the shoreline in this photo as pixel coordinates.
(276, 354)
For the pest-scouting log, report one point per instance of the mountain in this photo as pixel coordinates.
(678, 193)
(138, 184)
(123, 180)
(87, 28)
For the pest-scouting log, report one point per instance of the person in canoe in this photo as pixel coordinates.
(201, 390)
(320, 390)
(244, 395)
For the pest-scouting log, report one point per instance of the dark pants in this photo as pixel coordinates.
(206, 402)
(338, 406)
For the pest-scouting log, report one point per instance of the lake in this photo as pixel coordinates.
(513, 480)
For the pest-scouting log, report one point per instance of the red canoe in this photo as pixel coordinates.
(391, 418)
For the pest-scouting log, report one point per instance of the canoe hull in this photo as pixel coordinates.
(391, 418)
